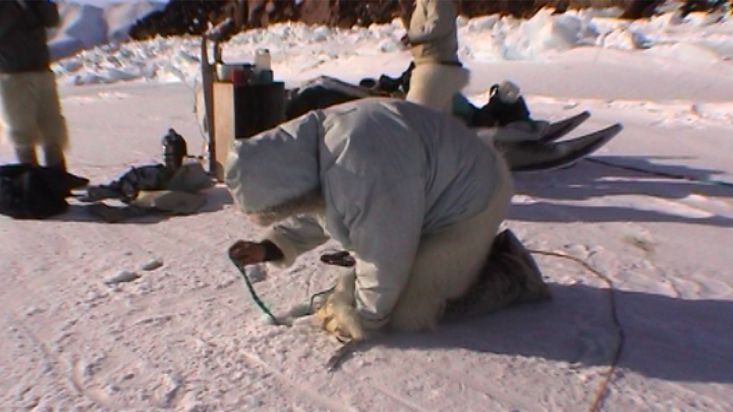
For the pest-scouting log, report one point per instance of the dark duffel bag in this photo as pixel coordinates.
(35, 192)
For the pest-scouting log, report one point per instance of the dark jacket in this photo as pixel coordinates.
(23, 34)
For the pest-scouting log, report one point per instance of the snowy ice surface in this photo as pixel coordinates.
(187, 336)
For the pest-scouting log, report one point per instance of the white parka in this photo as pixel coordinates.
(389, 170)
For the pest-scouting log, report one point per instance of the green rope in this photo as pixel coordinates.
(252, 292)
(318, 294)
(262, 305)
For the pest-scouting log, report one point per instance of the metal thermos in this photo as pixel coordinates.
(174, 149)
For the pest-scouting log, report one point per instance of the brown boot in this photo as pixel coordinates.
(517, 261)
(509, 276)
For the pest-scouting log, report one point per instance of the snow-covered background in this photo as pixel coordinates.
(89, 23)
(186, 336)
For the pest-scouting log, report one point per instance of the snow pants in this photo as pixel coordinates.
(433, 85)
(30, 115)
(449, 261)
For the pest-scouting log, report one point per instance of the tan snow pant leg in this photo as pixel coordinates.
(30, 115)
(448, 262)
(433, 85)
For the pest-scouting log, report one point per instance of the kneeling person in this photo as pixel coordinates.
(414, 195)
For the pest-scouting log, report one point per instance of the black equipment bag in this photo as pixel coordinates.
(35, 192)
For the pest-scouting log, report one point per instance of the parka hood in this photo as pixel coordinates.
(275, 166)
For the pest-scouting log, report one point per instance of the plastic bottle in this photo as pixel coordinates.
(262, 69)
(262, 59)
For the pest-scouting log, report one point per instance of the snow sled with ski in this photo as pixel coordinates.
(528, 145)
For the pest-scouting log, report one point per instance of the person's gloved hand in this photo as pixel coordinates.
(244, 252)
(337, 314)
(341, 258)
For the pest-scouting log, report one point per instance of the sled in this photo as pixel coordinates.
(560, 128)
(537, 155)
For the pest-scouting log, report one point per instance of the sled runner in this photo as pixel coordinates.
(562, 127)
(537, 155)
(538, 131)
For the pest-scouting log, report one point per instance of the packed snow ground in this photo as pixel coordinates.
(186, 336)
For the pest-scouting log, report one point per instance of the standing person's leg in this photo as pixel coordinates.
(433, 85)
(18, 114)
(448, 262)
(51, 122)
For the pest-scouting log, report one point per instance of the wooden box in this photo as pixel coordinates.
(242, 111)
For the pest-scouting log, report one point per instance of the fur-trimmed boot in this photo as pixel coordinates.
(510, 276)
